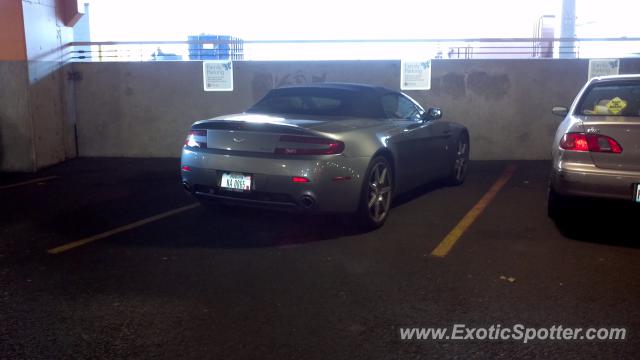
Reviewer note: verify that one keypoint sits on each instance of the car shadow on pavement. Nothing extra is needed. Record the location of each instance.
(604, 223)
(239, 227)
(416, 193)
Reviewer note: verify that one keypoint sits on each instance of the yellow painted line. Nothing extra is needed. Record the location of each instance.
(28, 182)
(120, 229)
(447, 243)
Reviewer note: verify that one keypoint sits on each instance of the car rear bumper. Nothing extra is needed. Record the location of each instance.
(267, 202)
(587, 180)
(334, 181)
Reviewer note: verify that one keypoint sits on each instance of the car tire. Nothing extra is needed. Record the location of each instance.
(556, 205)
(377, 194)
(458, 172)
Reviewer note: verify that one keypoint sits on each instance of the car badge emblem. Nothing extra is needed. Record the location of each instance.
(593, 130)
(238, 140)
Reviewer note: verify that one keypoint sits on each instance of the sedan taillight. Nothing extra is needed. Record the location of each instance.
(308, 145)
(196, 138)
(590, 142)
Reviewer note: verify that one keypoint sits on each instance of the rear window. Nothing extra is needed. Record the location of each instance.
(611, 100)
(291, 104)
(317, 101)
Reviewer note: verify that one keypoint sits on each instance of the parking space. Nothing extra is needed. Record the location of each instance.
(145, 151)
(160, 277)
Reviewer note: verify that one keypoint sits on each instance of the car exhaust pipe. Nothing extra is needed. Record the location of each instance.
(186, 186)
(307, 202)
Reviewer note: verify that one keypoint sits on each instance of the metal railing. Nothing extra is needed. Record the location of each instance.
(354, 49)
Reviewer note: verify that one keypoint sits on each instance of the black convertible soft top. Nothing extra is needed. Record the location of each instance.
(325, 99)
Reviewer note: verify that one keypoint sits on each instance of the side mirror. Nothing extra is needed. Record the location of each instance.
(560, 111)
(432, 114)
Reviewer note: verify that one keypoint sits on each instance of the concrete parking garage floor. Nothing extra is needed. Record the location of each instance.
(246, 284)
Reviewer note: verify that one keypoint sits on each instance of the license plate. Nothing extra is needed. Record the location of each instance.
(235, 181)
(637, 193)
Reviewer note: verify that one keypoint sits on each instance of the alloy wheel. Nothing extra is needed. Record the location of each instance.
(460, 166)
(379, 194)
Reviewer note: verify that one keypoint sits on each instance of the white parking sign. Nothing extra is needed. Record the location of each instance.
(217, 75)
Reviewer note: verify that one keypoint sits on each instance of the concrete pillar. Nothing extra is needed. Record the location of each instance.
(568, 29)
(34, 128)
(16, 133)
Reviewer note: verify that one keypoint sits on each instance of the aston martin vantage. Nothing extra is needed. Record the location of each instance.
(328, 148)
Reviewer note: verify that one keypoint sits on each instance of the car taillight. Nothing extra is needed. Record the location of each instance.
(196, 138)
(308, 145)
(299, 179)
(590, 142)
(575, 142)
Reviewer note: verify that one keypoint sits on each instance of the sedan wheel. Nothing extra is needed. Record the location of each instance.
(377, 194)
(459, 170)
(558, 206)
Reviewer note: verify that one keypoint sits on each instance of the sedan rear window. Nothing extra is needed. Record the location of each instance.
(611, 100)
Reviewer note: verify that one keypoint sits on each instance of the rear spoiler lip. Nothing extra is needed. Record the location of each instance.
(254, 118)
(228, 123)
(266, 127)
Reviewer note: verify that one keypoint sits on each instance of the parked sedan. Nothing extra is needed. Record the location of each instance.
(339, 148)
(596, 150)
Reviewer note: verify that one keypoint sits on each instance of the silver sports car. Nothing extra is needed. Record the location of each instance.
(596, 151)
(341, 148)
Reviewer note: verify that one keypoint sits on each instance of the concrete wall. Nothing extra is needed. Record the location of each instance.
(145, 109)
(506, 104)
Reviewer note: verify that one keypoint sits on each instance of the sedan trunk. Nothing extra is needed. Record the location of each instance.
(626, 132)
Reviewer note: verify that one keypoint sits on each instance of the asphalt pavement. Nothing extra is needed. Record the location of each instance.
(144, 280)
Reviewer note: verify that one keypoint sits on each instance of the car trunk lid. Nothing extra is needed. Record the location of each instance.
(625, 131)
